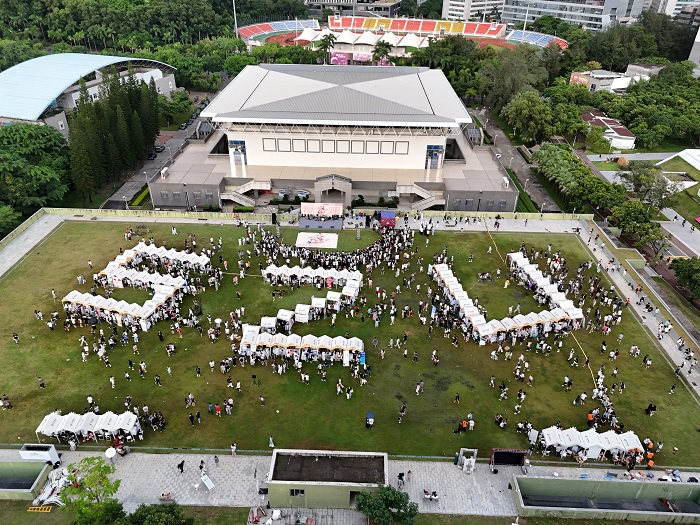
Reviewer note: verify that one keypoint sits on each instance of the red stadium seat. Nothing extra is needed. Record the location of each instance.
(266, 28)
(413, 26)
(470, 28)
(428, 26)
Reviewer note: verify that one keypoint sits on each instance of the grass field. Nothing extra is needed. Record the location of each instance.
(312, 415)
(691, 313)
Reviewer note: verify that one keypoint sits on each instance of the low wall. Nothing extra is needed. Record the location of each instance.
(604, 489)
(22, 480)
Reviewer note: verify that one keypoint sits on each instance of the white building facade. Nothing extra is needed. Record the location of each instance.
(465, 10)
(594, 15)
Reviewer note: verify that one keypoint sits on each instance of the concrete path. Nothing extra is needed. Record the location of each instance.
(686, 240)
(633, 156)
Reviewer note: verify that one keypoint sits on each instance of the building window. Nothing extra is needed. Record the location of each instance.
(299, 145)
(313, 146)
(489, 204)
(401, 148)
(61, 125)
(468, 203)
(170, 84)
(342, 146)
(296, 493)
(163, 194)
(284, 145)
(502, 204)
(456, 203)
(209, 195)
(269, 145)
(197, 195)
(328, 146)
(176, 195)
(372, 147)
(358, 146)
(387, 147)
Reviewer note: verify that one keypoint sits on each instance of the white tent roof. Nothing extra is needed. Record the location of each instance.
(340, 343)
(390, 38)
(279, 340)
(572, 437)
(611, 441)
(309, 340)
(368, 38)
(333, 296)
(69, 423)
(263, 339)
(559, 314)
(574, 313)
(285, 315)
(355, 343)
(318, 302)
(294, 340)
(508, 323)
(553, 437)
(514, 256)
(308, 34)
(87, 422)
(630, 441)
(346, 37)
(50, 424)
(590, 440)
(410, 40)
(125, 421)
(107, 422)
(325, 342)
(302, 309)
(268, 322)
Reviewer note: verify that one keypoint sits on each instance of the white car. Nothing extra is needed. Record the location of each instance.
(303, 194)
(282, 193)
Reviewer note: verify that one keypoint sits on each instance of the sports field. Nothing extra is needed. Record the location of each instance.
(313, 415)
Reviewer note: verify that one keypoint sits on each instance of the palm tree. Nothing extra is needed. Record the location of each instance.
(381, 51)
(325, 45)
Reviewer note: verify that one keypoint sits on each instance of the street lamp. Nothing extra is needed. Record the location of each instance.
(235, 19)
(126, 203)
(543, 205)
(170, 153)
(510, 162)
(526, 181)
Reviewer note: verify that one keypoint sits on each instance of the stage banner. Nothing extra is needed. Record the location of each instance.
(339, 59)
(320, 209)
(317, 240)
(362, 57)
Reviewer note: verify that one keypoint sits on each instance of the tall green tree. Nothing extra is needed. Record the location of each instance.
(530, 116)
(688, 274)
(91, 492)
(171, 514)
(512, 71)
(388, 506)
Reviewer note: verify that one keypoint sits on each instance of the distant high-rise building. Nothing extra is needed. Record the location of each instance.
(689, 15)
(670, 7)
(481, 10)
(595, 15)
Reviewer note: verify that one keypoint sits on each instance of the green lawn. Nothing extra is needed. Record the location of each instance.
(312, 415)
(71, 199)
(687, 203)
(178, 119)
(670, 145)
(507, 129)
(691, 313)
(604, 165)
(679, 165)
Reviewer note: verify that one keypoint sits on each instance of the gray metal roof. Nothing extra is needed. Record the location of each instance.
(29, 88)
(338, 95)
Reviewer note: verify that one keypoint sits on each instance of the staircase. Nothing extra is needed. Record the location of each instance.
(236, 193)
(428, 198)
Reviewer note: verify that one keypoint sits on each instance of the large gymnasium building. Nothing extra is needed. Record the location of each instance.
(339, 132)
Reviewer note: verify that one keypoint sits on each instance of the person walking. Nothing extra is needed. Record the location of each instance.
(181, 466)
(271, 444)
(191, 416)
(199, 417)
(42, 385)
(456, 401)
(234, 447)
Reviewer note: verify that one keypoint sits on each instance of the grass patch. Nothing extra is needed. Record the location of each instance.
(525, 204)
(553, 192)
(687, 203)
(603, 165)
(142, 196)
(507, 129)
(690, 312)
(431, 417)
(178, 119)
(72, 200)
(667, 146)
(679, 165)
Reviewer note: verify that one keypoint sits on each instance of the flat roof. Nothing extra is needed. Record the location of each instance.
(29, 88)
(329, 467)
(339, 95)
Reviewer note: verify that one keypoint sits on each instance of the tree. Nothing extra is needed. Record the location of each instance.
(325, 46)
(630, 215)
(388, 506)
(650, 184)
(91, 492)
(530, 116)
(171, 514)
(9, 219)
(381, 51)
(596, 141)
(651, 234)
(688, 274)
(512, 71)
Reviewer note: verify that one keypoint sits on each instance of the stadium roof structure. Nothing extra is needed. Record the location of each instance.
(339, 95)
(29, 88)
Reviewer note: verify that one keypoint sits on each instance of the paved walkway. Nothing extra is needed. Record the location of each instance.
(633, 156)
(682, 237)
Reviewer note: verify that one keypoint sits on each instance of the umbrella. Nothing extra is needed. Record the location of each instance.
(369, 415)
(111, 452)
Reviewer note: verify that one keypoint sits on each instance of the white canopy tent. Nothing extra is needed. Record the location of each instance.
(301, 313)
(125, 421)
(87, 422)
(553, 437)
(49, 425)
(591, 441)
(107, 422)
(572, 438)
(610, 441)
(630, 441)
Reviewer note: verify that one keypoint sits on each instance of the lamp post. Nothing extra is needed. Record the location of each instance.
(126, 203)
(510, 163)
(170, 154)
(526, 181)
(543, 205)
(235, 19)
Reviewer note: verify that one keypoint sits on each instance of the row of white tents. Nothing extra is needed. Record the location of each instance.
(117, 275)
(126, 312)
(198, 262)
(590, 440)
(253, 338)
(55, 424)
(490, 331)
(307, 274)
(367, 38)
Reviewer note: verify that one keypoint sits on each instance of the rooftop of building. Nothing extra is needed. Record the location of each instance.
(30, 88)
(339, 95)
(329, 467)
(598, 118)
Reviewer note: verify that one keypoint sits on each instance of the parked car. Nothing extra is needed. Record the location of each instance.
(282, 193)
(184, 125)
(152, 155)
(159, 148)
(302, 194)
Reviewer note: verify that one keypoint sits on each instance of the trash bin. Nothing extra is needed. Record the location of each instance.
(456, 458)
